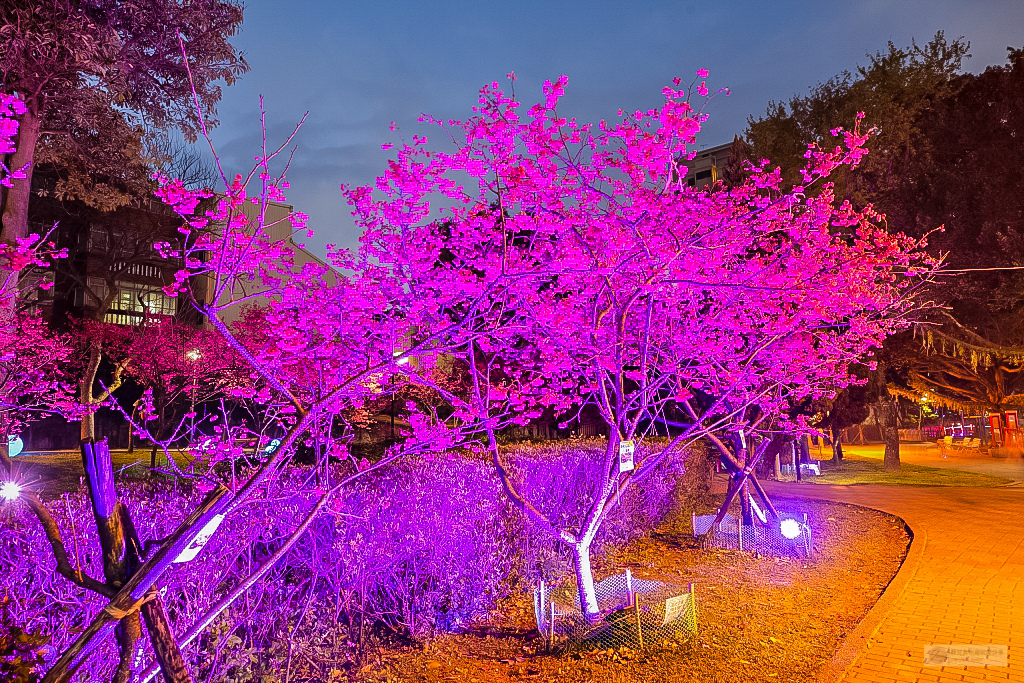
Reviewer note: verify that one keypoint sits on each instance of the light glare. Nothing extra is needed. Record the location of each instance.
(10, 491)
(790, 528)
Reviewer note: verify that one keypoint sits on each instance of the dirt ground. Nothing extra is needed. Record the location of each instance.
(759, 618)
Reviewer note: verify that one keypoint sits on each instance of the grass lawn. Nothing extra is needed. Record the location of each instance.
(859, 470)
(55, 472)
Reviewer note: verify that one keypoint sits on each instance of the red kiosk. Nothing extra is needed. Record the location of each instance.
(1012, 435)
(997, 432)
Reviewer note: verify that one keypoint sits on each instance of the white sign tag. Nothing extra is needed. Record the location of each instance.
(197, 544)
(675, 608)
(626, 450)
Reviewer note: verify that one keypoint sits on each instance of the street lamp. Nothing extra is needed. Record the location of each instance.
(193, 356)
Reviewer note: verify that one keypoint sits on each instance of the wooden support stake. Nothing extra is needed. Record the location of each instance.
(133, 594)
(636, 611)
(807, 536)
(551, 628)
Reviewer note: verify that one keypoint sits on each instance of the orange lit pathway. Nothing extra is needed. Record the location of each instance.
(962, 583)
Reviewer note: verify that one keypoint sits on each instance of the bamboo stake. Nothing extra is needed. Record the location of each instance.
(693, 606)
(551, 628)
(636, 611)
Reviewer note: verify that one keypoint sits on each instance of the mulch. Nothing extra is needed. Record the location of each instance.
(760, 618)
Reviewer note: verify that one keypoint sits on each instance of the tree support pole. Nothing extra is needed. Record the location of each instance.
(137, 590)
(737, 478)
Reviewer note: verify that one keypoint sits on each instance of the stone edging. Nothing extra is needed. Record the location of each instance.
(856, 641)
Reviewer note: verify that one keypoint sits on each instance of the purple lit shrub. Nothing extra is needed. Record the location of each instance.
(561, 480)
(424, 547)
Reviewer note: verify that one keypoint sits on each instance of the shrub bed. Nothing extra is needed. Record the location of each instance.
(423, 548)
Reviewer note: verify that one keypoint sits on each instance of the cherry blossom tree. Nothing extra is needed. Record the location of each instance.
(559, 265)
(615, 285)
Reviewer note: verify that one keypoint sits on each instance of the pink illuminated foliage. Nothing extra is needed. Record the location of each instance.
(529, 264)
(566, 264)
(607, 281)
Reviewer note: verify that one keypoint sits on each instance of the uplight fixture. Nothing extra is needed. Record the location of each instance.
(10, 491)
(790, 528)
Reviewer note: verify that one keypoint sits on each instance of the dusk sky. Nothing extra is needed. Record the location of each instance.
(357, 66)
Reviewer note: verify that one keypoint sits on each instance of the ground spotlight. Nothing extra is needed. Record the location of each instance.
(790, 528)
(10, 491)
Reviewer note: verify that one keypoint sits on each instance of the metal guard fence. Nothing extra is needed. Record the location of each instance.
(789, 535)
(635, 613)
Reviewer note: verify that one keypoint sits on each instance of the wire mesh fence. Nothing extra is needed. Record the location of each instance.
(787, 535)
(635, 613)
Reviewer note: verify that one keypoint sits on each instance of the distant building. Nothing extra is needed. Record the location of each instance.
(278, 229)
(708, 166)
(112, 272)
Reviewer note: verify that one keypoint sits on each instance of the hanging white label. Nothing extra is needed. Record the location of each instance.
(190, 552)
(626, 450)
(675, 608)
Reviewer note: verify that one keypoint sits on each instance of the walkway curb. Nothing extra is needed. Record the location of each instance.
(857, 641)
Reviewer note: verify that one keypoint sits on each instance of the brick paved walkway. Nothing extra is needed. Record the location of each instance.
(962, 583)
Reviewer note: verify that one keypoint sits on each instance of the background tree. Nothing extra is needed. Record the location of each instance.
(99, 80)
(896, 90)
(95, 77)
(892, 90)
(180, 367)
(968, 180)
(850, 407)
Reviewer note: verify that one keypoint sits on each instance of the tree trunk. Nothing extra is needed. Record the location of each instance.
(892, 449)
(746, 512)
(885, 414)
(585, 581)
(796, 459)
(837, 445)
(887, 418)
(85, 395)
(14, 221)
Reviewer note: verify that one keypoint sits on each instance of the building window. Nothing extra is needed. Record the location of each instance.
(97, 240)
(134, 302)
(97, 290)
(138, 269)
